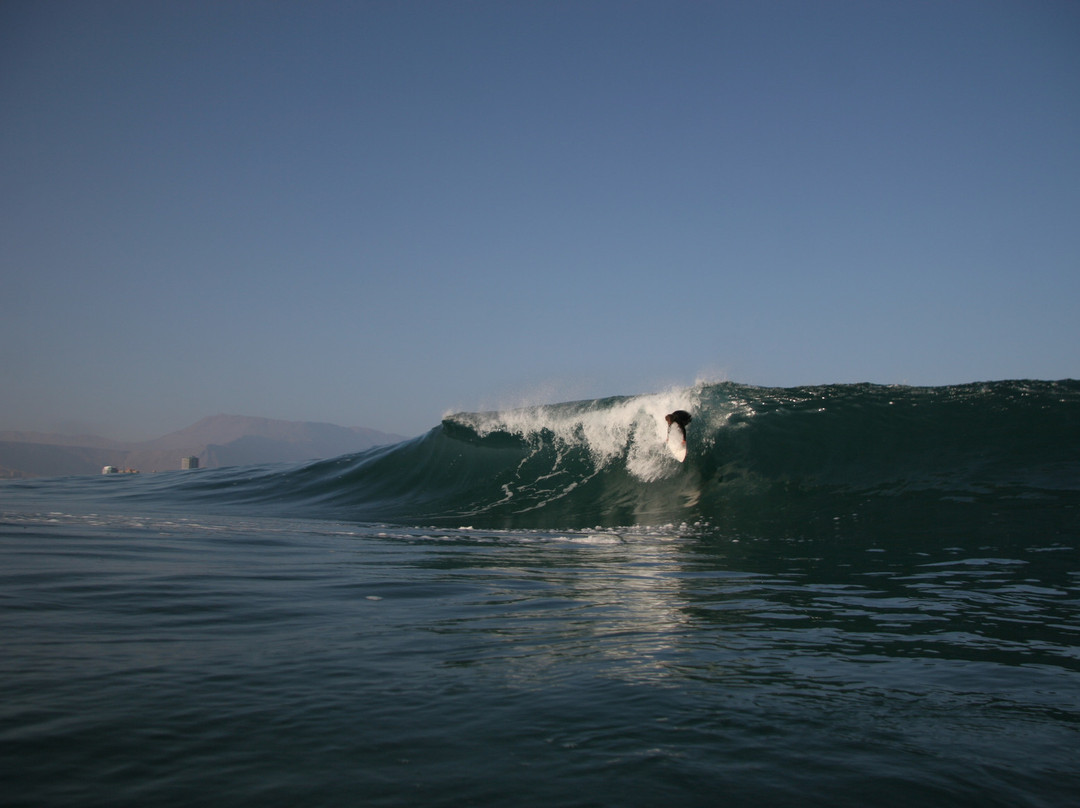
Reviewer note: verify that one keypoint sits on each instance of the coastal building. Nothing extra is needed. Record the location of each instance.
(191, 462)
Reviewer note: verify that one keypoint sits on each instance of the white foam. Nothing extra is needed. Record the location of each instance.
(634, 427)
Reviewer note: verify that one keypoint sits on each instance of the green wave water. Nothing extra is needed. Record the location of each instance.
(807, 459)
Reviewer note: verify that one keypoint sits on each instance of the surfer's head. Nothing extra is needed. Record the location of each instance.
(680, 417)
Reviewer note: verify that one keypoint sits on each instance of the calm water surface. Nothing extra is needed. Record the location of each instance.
(174, 660)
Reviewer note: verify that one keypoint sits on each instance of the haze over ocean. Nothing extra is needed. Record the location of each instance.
(374, 213)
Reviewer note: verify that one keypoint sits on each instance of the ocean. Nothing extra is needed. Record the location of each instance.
(847, 595)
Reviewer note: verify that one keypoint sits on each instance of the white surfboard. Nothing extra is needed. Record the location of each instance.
(676, 443)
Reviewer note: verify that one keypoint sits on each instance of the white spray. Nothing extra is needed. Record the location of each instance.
(608, 429)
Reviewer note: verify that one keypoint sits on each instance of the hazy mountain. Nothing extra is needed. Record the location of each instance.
(220, 440)
(19, 459)
(58, 439)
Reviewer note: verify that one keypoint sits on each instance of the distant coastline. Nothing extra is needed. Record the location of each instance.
(219, 440)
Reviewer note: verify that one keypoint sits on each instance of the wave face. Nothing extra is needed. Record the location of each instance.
(801, 460)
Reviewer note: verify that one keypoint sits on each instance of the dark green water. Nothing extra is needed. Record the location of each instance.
(860, 621)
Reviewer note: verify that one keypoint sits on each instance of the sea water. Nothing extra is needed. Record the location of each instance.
(845, 596)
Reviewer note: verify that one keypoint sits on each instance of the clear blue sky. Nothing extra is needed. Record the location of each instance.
(370, 213)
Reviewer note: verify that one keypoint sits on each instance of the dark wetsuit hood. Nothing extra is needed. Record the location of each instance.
(680, 417)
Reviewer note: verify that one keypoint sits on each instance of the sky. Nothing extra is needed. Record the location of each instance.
(376, 213)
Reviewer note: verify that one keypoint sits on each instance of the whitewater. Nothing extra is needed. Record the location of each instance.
(846, 595)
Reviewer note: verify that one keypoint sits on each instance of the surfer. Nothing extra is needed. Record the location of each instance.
(680, 418)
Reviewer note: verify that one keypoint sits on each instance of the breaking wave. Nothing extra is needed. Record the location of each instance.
(800, 459)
